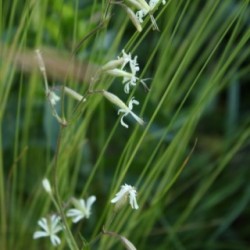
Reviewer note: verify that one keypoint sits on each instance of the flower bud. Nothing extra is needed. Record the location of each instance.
(133, 18)
(119, 73)
(74, 94)
(46, 185)
(114, 99)
(112, 64)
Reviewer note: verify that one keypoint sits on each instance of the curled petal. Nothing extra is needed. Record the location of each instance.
(122, 122)
(126, 88)
(131, 102)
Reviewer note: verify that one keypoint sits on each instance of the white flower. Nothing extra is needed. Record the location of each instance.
(134, 67)
(129, 79)
(53, 97)
(147, 9)
(128, 110)
(126, 58)
(153, 3)
(123, 107)
(140, 14)
(47, 186)
(120, 61)
(50, 228)
(82, 209)
(122, 196)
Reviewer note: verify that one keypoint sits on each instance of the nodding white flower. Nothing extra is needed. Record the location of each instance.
(50, 228)
(82, 209)
(120, 61)
(128, 110)
(133, 64)
(126, 192)
(129, 78)
(129, 81)
(147, 9)
(134, 67)
(140, 14)
(53, 97)
(123, 107)
(47, 186)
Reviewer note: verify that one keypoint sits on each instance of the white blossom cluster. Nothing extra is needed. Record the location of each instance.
(117, 68)
(126, 67)
(52, 225)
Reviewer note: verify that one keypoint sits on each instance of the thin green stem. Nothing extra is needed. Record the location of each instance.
(58, 201)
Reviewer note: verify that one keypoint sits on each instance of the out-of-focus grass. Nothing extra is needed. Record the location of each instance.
(199, 65)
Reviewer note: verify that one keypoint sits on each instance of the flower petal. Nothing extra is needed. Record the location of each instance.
(90, 202)
(137, 118)
(122, 122)
(43, 224)
(55, 240)
(39, 234)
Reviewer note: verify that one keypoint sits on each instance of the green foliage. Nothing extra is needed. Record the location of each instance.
(189, 163)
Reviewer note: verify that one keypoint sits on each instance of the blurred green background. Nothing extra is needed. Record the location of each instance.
(198, 65)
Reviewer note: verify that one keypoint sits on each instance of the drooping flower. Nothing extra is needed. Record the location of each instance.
(145, 8)
(126, 192)
(50, 228)
(123, 107)
(82, 209)
(131, 79)
(116, 68)
(128, 110)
